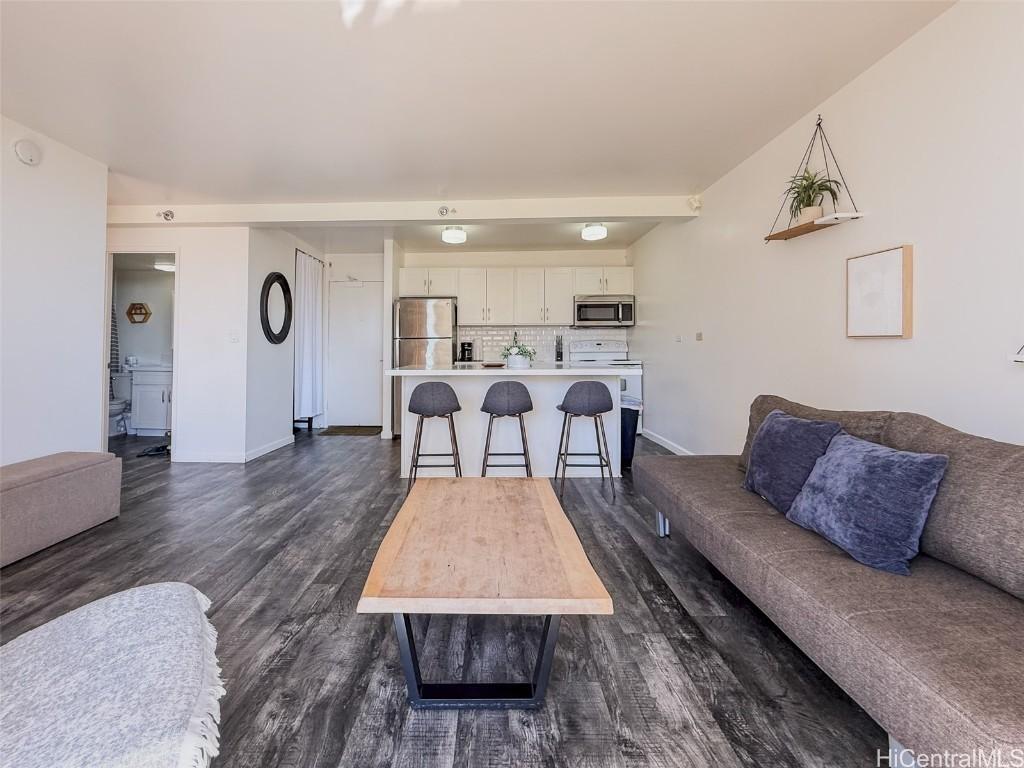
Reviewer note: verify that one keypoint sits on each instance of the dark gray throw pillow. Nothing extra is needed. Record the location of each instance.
(782, 455)
(870, 500)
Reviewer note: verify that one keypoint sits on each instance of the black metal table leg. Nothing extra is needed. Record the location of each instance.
(458, 695)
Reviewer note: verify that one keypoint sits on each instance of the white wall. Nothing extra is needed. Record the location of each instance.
(210, 375)
(558, 258)
(270, 368)
(151, 341)
(54, 313)
(930, 140)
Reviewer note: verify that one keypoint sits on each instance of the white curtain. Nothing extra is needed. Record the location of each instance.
(309, 336)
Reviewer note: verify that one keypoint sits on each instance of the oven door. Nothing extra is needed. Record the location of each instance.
(596, 310)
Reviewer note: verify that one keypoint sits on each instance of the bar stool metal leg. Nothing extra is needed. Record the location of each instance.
(565, 455)
(487, 446)
(455, 446)
(561, 440)
(607, 456)
(597, 441)
(415, 454)
(526, 447)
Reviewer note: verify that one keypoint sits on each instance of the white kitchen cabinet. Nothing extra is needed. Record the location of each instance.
(618, 281)
(412, 281)
(151, 400)
(472, 295)
(442, 281)
(530, 307)
(600, 281)
(423, 281)
(501, 296)
(558, 296)
(588, 281)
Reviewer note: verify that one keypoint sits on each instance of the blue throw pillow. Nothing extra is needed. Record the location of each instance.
(782, 455)
(870, 500)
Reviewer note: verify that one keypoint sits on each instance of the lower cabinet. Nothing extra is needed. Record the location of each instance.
(151, 400)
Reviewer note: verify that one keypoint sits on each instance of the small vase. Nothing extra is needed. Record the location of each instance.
(517, 361)
(809, 214)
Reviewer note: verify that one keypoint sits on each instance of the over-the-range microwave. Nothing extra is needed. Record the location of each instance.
(604, 311)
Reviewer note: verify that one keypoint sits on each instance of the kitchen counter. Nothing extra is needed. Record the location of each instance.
(547, 382)
(539, 368)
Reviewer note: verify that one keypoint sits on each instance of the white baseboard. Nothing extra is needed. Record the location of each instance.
(185, 457)
(677, 449)
(255, 453)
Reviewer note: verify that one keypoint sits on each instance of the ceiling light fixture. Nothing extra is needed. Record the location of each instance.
(594, 232)
(453, 235)
(164, 266)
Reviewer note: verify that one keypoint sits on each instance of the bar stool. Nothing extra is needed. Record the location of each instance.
(585, 399)
(506, 398)
(433, 399)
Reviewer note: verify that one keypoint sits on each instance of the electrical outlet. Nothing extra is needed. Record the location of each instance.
(699, 336)
(233, 337)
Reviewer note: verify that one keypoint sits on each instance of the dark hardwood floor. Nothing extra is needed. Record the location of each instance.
(686, 673)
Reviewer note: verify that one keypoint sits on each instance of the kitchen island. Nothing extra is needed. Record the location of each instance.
(547, 383)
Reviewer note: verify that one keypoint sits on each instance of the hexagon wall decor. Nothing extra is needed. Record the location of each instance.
(138, 312)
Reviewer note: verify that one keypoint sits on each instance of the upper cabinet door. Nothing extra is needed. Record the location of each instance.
(412, 281)
(588, 281)
(472, 293)
(618, 280)
(443, 281)
(558, 295)
(529, 308)
(501, 296)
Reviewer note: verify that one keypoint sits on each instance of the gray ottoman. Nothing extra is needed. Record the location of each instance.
(46, 500)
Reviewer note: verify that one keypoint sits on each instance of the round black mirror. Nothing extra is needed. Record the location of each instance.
(276, 308)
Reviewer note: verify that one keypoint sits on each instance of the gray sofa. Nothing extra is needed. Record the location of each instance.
(49, 499)
(936, 658)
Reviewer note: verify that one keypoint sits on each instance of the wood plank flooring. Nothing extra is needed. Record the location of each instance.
(686, 673)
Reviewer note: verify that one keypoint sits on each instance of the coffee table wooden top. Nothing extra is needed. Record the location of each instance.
(482, 545)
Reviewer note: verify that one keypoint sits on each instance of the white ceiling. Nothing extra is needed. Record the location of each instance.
(286, 102)
(488, 236)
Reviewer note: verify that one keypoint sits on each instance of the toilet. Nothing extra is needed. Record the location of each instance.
(120, 404)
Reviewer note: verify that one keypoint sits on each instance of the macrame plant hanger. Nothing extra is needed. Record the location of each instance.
(817, 137)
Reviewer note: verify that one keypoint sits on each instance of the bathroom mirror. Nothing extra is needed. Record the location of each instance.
(276, 308)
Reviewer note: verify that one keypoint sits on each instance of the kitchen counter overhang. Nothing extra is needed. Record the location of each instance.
(540, 368)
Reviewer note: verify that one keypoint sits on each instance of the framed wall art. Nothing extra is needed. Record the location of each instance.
(880, 294)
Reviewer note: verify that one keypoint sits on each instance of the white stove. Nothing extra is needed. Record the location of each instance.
(611, 352)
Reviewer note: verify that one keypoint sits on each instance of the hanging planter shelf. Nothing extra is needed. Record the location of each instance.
(829, 219)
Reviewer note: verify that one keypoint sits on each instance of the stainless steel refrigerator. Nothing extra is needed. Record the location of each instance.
(425, 336)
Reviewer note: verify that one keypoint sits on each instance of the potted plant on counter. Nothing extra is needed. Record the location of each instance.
(518, 355)
(806, 191)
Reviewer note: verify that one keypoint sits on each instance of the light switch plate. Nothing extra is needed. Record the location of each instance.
(699, 336)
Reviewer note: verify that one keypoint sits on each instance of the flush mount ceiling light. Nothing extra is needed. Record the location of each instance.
(453, 235)
(164, 266)
(594, 232)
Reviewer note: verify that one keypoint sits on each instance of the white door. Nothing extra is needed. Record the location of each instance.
(501, 296)
(412, 281)
(558, 293)
(588, 281)
(618, 280)
(472, 296)
(354, 354)
(529, 309)
(443, 281)
(150, 407)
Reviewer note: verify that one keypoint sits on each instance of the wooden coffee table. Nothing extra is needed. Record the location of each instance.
(481, 546)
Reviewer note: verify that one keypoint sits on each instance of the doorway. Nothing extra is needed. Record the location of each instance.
(140, 359)
(354, 358)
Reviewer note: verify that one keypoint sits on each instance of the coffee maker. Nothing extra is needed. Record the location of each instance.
(466, 352)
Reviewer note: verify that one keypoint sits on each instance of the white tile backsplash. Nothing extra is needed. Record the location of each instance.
(489, 340)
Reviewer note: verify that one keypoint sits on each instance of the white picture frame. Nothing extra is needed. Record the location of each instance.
(880, 294)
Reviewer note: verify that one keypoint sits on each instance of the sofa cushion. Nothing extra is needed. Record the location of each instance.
(783, 454)
(977, 520)
(870, 500)
(33, 470)
(669, 481)
(869, 630)
(868, 425)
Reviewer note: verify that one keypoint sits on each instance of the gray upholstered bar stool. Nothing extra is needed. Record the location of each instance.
(506, 398)
(585, 399)
(433, 399)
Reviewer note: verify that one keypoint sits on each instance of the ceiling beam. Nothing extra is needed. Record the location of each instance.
(653, 207)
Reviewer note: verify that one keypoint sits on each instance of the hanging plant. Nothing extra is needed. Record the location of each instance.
(807, 190)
